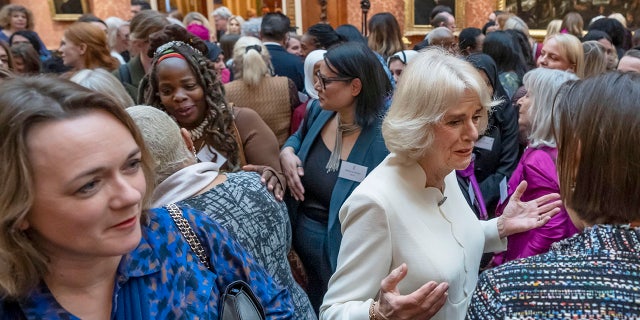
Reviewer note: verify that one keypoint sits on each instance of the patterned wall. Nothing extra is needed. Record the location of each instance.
(395, 7)
(50, 31)
(476, 11)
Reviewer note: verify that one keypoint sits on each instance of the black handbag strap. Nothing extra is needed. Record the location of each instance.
(238, 295)
(189, 235)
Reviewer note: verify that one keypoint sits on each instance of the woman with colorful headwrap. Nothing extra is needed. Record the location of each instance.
(182, 83)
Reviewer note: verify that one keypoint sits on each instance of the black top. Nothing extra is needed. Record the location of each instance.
(318, 184)
(491, 166)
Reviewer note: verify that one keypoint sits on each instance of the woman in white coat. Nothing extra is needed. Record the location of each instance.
(411, 245)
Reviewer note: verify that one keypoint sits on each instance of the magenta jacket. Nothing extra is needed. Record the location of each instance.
(538, 167)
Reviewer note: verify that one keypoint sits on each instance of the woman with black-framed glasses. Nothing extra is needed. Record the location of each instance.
(338, 144)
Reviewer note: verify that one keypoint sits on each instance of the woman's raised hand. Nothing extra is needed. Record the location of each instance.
(423, 303)
(292, 167)
(521, 216)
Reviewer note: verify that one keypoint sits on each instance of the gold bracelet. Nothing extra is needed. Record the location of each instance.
(372, 313)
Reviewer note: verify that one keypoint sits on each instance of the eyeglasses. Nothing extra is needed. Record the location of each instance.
(324, 80)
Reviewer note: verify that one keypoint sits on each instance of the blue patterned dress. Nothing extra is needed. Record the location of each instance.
(167, 280)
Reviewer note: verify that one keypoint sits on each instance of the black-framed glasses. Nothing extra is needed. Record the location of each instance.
(324, 80)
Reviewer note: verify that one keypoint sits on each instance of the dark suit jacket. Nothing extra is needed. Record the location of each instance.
(287, 65)
(132, 82)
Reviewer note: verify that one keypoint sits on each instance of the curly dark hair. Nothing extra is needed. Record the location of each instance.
(220, 133)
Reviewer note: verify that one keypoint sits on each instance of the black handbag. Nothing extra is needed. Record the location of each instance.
(238, 300)
(239, 303)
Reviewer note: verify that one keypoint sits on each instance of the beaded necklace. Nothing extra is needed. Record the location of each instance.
(197, 133)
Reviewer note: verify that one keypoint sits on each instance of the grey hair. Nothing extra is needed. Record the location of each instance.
(101, 80)
(163, 139)
(438, 33)
(222, 12)
(542, 86)
(516, 23)
(113, 27)
(252, 27)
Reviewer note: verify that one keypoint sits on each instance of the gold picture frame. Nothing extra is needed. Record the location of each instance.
(538, 34)
(538, 14)
(413, 28)
(68, 10)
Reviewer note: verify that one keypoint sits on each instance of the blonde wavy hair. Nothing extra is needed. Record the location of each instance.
(431, 83)
(571, 48)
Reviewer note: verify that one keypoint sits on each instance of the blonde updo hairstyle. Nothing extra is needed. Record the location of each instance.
(252, 61)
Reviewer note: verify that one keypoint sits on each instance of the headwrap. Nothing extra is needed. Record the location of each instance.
(312, 58)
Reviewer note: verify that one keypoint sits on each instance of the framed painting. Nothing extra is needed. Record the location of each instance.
(537, 14)
(417, 14)
(68, 10)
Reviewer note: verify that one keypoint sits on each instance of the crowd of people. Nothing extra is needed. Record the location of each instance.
(479, 174)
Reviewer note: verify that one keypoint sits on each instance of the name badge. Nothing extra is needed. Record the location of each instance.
(485, 143)
(352, 171)
(504, 190)
(206, 154)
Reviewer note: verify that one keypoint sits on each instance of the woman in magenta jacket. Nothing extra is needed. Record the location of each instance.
(537, 165)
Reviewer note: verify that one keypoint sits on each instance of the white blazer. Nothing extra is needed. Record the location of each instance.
(391, 218)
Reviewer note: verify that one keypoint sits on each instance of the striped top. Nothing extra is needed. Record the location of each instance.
(594, 274)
